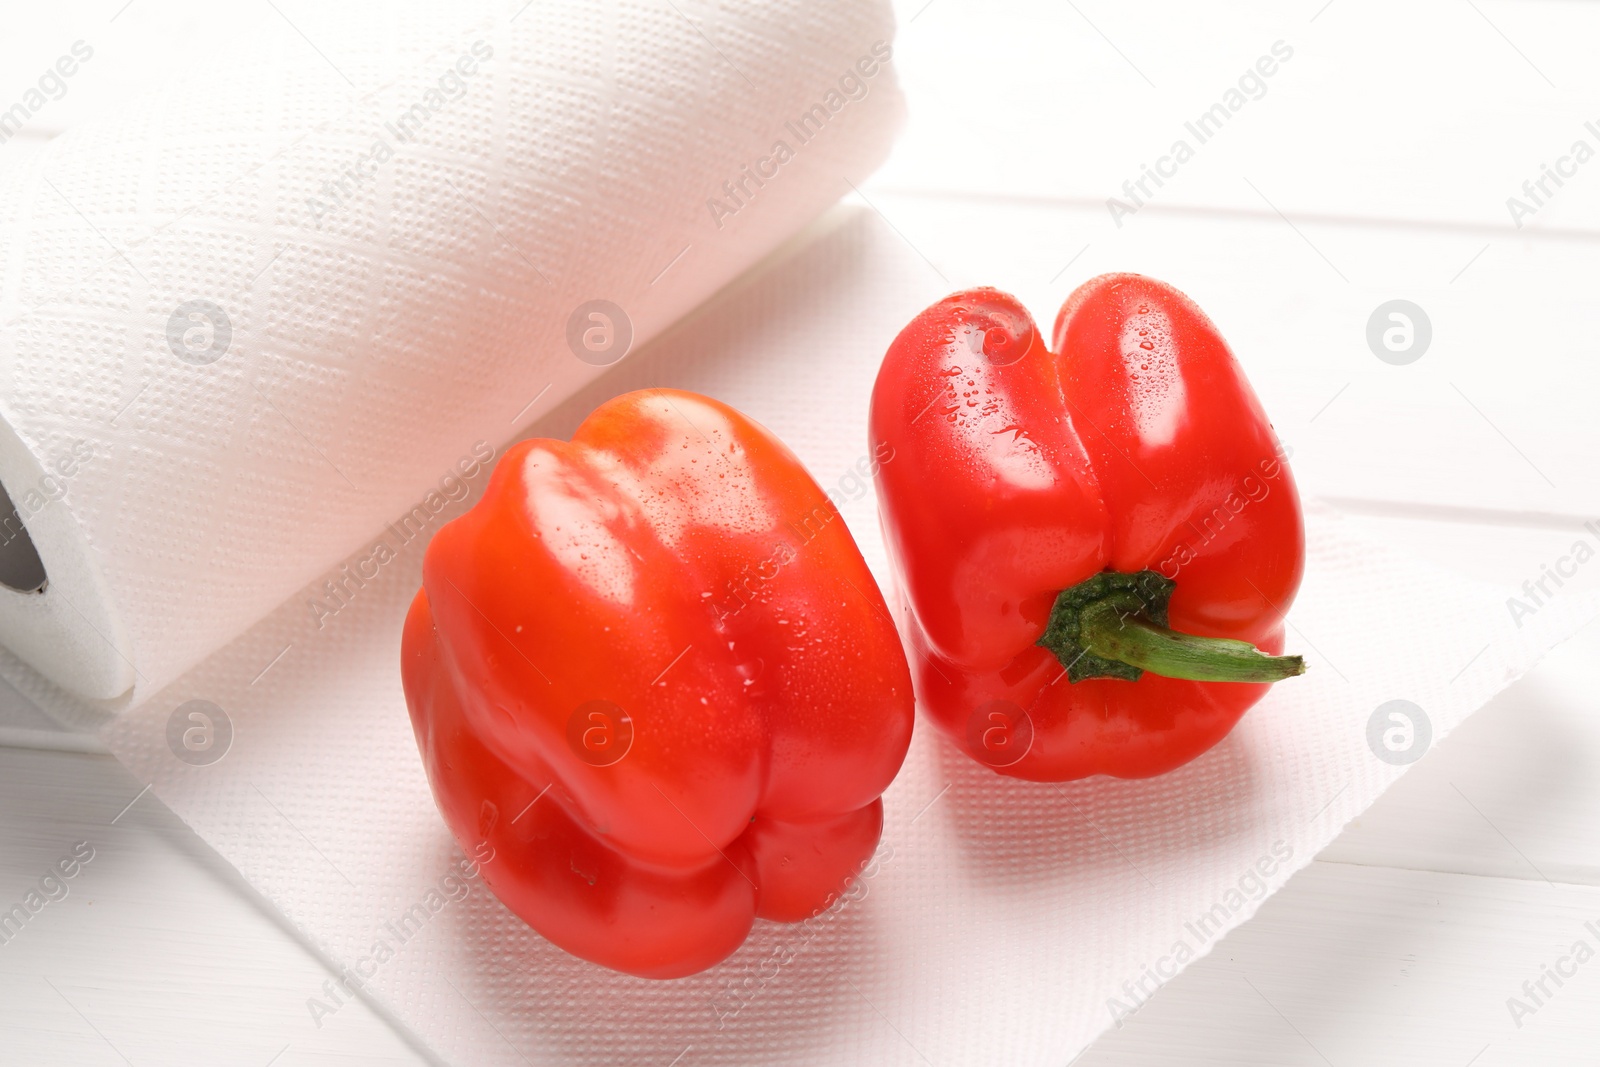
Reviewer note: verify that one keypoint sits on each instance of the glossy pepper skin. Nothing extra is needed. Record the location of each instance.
(650, 672)
(1131, 443)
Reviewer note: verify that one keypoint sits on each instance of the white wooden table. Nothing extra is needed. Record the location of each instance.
(1376, 164)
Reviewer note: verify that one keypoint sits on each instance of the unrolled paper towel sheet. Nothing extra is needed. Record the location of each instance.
(1002, 922)
(249, 322)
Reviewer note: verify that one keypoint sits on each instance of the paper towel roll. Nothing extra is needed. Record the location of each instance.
(248, 323)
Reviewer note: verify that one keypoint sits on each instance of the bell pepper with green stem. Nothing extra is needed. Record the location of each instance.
(1095, 538)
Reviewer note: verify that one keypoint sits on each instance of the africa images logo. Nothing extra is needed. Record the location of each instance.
(1253, 885)
(853, 84)
(50, 85)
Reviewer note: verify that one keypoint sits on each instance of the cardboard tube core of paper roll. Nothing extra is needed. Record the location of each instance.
(21, 569)
(54, 611)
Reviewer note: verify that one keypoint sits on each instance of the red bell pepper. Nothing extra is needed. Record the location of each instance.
(1095, 545)
(651, 672)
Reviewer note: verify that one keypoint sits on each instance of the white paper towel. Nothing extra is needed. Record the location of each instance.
(273, 306)
(1004, 922)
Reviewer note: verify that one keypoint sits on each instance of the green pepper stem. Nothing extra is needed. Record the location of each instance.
(1128, 638)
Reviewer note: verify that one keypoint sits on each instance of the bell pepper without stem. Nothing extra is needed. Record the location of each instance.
(651, 672)
(1095, 545)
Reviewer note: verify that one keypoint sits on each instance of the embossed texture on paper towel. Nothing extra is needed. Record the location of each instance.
(279, 299)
